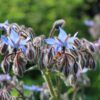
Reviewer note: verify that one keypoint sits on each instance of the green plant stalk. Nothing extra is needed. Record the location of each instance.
(47, 78)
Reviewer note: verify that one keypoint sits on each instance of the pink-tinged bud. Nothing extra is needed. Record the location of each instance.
(3, 48)
(87, 45)
(77, 43)
(5, 65)
(37, 41)
(4, 94)
(30, 32)
(30, 52)
(75, 67)
(43, 60)
(58, 23)
(92, 48)
(46, 58)
(19, 64)
(87, 60)
(67, 66)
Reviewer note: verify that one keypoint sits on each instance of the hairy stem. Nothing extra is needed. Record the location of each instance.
(50, 85)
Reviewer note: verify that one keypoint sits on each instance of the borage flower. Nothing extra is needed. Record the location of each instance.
(33, 88)
(4, 25)
(5, 77)
(89, 23)
(14, 41)
(19, 64)
(62, 41)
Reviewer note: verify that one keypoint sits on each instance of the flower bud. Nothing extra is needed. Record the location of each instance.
(89, 61)
(91, 47)
(92, 64)
(19, 64)
(58, 23)
(43, 60)
(37, 41)
(66, 71)
(75, 67)
(30, 53)
(65, 65)
(30, 32)
(77, 43)
(4, 94)
(46, 58)
(5, 65)
(3, 48)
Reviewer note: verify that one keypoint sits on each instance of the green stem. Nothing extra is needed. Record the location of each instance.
(50, 85)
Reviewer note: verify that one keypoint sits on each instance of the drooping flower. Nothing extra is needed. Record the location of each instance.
(63, 40)
(89, 23)
(33, 88)
(14, 41)
(4, 77)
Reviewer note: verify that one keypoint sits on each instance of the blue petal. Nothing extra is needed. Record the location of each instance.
(50, 41)
(23, 48)
(89, 23)
(69, 46)
(1, 25)
(14, 36)
(32, 88)
(71, 39)
(62, 34)
(23, 42)
(5, 77)
(4, 39)
(11, 43)
(58, 48)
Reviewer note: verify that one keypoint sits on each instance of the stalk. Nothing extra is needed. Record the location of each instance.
(47, 79)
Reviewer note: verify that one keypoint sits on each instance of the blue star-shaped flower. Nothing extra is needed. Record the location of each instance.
(63, 40)
(4, 25)
(14, 41)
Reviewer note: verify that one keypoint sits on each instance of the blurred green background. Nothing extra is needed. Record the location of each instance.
(40, 15)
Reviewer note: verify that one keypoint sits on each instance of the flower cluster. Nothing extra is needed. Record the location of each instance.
(64, 53)
(13, 46)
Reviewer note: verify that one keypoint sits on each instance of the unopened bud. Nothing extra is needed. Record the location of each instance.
(30, 53)
(5, 65)
(19, 65)
(75, 67)
(3, 48)
(58, 23)
(37, 41)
